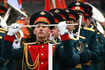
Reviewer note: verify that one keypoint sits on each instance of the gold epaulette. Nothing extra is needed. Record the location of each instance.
(3, 29)
(78, 66)
(89, 29)
(2, 32)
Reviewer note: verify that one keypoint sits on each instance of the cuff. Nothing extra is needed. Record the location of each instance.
(65, 37)
(9, 38)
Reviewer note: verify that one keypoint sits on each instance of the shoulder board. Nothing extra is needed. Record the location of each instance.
(2, 29)
(89, 29)
(1, 37)
(82, 37)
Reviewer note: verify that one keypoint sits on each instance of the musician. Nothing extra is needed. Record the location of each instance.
(35, 53)
(54, 30)
(38, 50)
(59, 12)
(88, 33)
(71, 16)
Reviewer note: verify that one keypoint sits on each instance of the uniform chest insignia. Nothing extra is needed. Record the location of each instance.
(79, 46)
(2, 32)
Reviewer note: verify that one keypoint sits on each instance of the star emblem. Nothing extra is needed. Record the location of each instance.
(42, 13)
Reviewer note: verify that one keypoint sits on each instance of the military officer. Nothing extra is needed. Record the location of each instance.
(86, 12)
(37, 50)
(54, 30)
(36, 53)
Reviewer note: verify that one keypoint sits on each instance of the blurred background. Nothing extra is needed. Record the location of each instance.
(32, 6)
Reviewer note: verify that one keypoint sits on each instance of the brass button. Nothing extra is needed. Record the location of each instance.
(42, 62)
(53, 46)
(29, 46)
(42, 46)
(42, 54)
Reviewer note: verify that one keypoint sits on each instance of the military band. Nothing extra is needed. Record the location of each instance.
(74, 47)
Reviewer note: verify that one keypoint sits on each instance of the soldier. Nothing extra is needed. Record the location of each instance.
(27, 31)
(89, 34)
(59, 12)
(35, 53)
(71, 17)
(54, 30)
(40, 60)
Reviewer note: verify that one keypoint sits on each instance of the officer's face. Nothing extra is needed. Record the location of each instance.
(42, 31)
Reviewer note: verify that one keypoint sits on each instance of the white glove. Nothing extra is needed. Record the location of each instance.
(14, 28)
(62, 26)
(3, 23)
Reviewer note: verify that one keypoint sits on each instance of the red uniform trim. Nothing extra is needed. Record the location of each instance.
(9, 38)
(65, 37)
(2, 11)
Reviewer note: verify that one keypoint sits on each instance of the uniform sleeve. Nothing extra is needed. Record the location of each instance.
(63, 53)
(9, 52)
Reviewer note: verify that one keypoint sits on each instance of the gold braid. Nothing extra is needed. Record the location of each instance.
(35, 64)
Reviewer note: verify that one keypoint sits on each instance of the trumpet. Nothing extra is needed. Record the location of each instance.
(21, 25)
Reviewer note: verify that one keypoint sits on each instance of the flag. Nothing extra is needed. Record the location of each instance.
(47, 6)
(20, 3)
